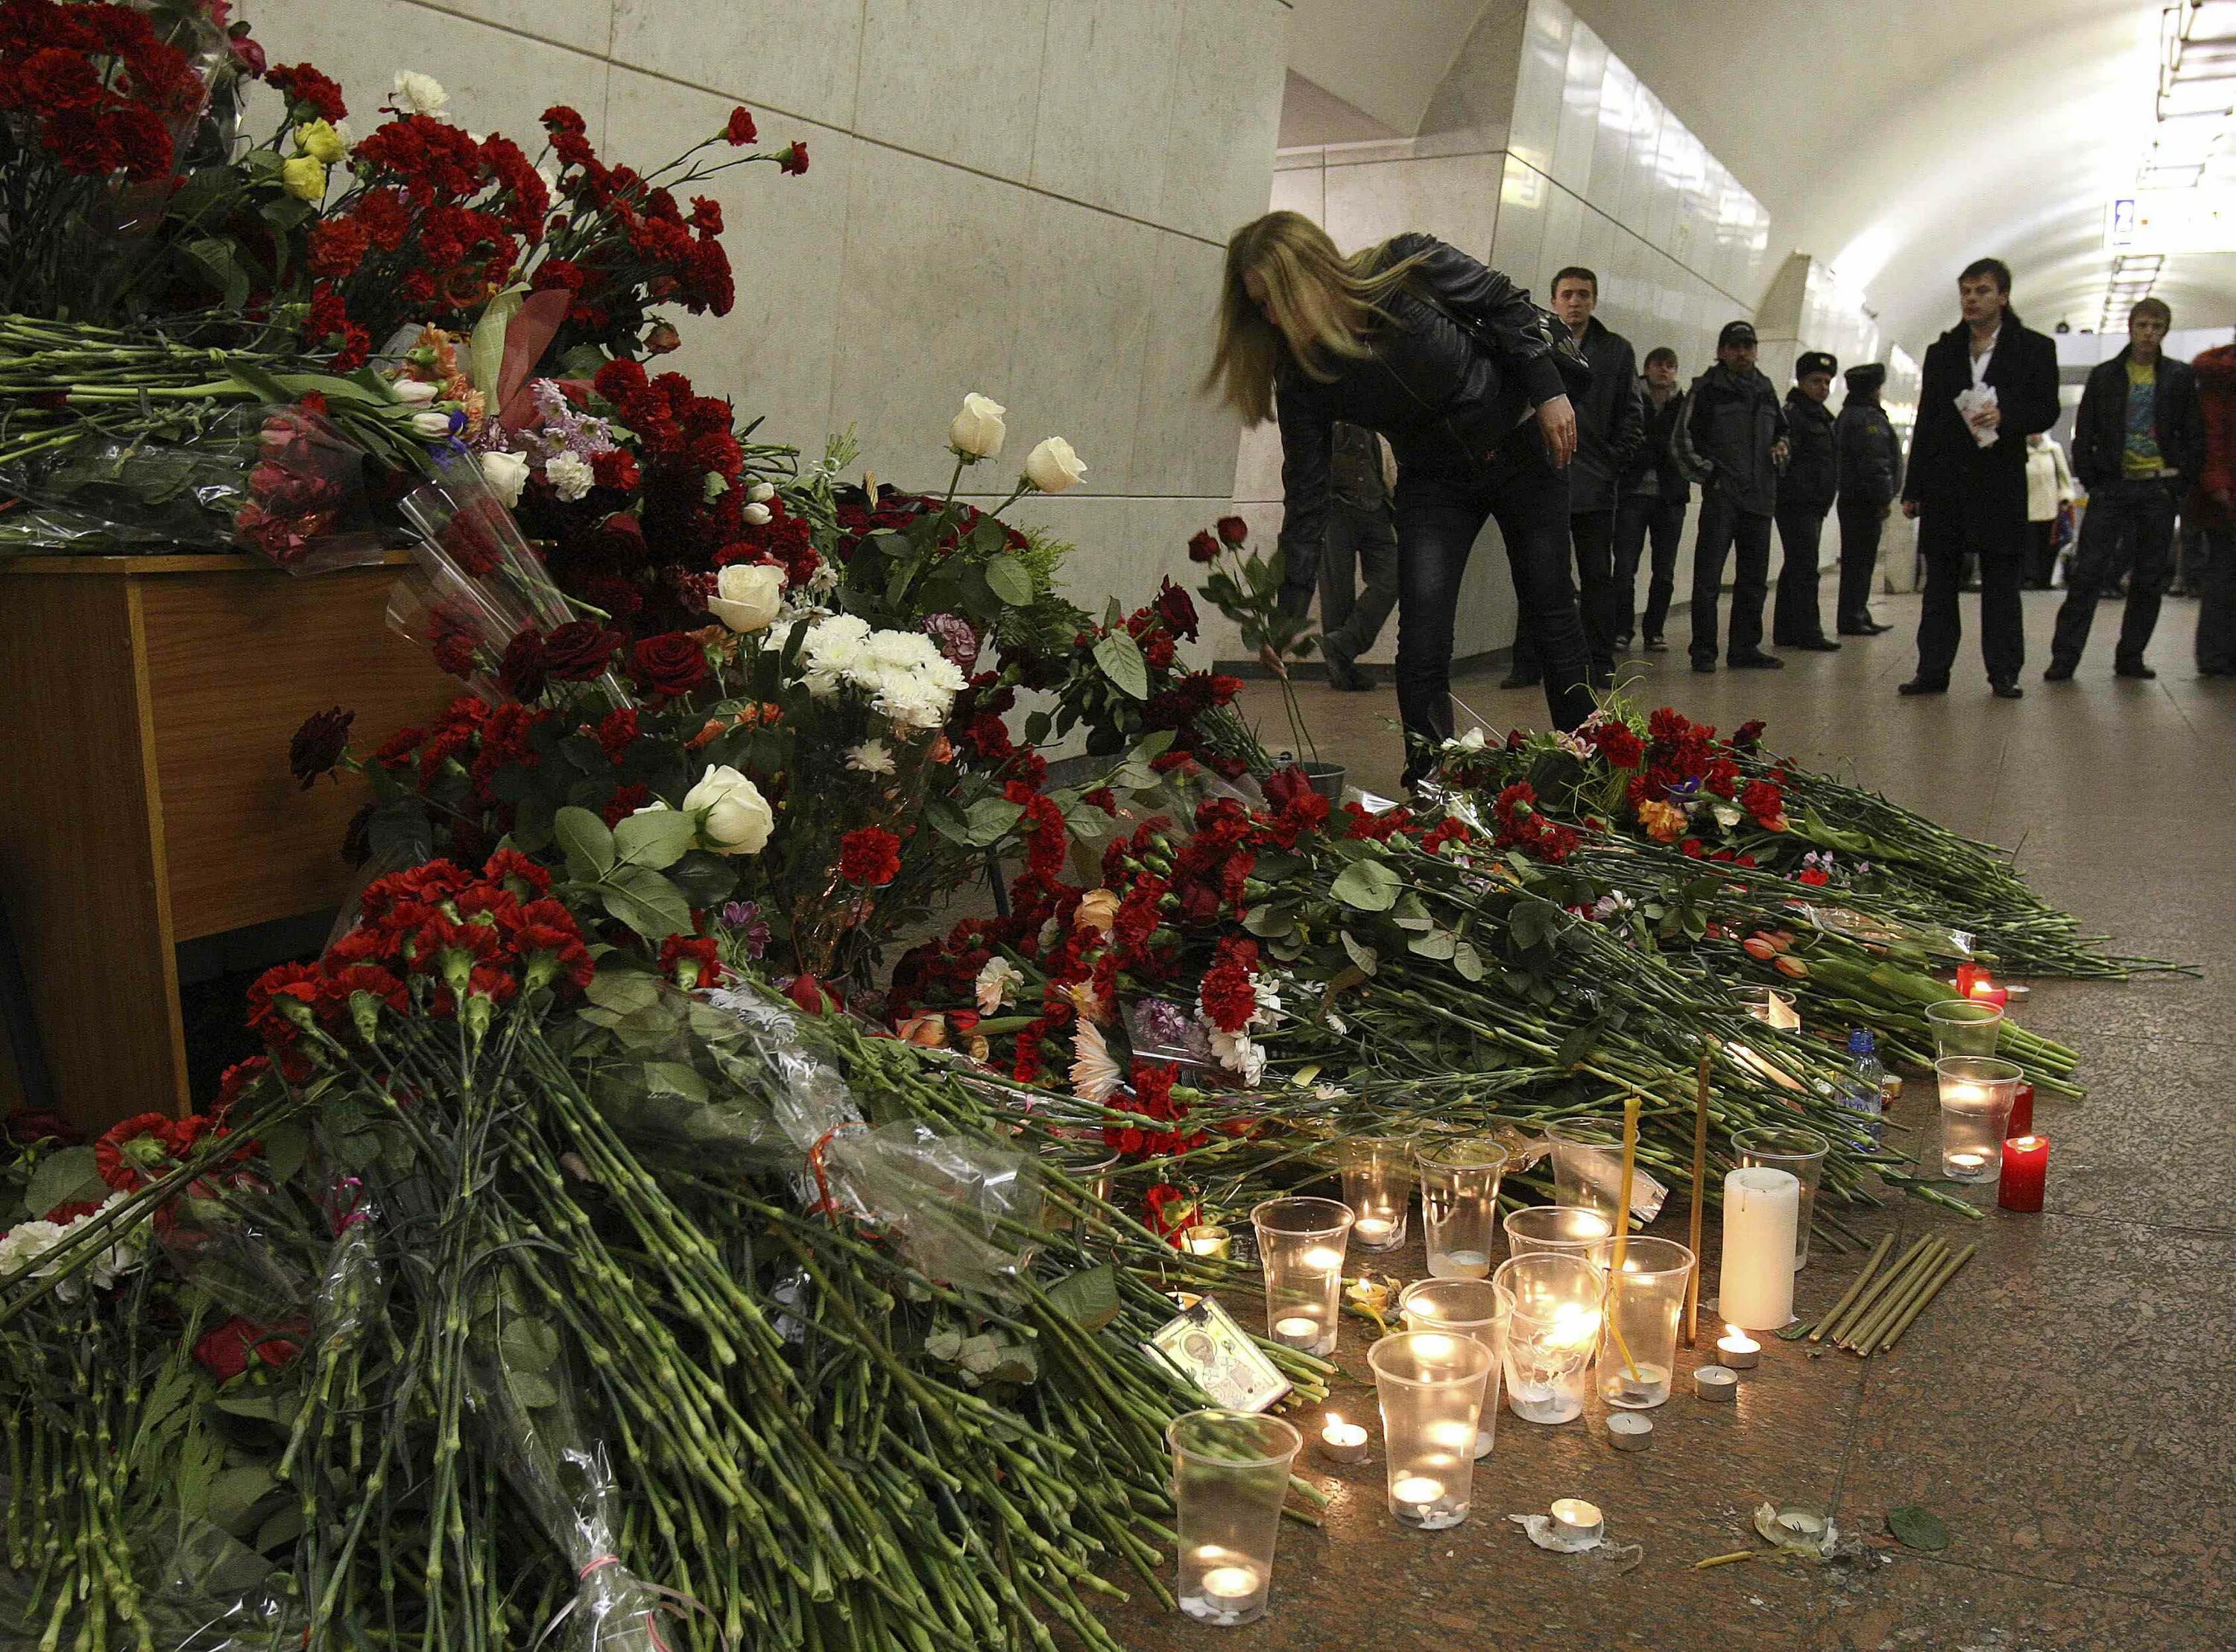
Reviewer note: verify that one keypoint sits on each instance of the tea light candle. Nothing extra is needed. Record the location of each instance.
(1971, 1167)
(1372, 1231)
(2025, 1165)
(1737, 1351)
(1230, 1586)
(2022, 1119)
(1575, 1519)
(1716, 1383)
(1629, 1430)
(1297, 1331)
(1342, 1442)
(1762, 1207)
(1208, 1239)
(1417, 1489)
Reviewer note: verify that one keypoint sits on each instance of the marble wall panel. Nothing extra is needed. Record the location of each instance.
(954, 80)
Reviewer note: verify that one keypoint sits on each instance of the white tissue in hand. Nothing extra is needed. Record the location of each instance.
(1970, 401)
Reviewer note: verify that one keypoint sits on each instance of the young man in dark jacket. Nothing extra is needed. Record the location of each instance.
(1806, 490)
(1989, 382)
(1870, 478)
(1653, 495)
(1610, 428)
(1733, 438)
(2138, 444)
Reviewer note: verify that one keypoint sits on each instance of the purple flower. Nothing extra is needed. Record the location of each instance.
(746, 915)
(954, 637)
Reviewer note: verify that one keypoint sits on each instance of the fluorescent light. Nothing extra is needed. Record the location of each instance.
(2211, 20)
(2215, 97)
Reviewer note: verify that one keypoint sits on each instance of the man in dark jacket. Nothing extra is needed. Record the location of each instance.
(1732, 438)
(1989, 382)
(2138, 445)
(1806, 490)
(1362, 540)
(1610, 428)
(1653, 495)
(1871, 477)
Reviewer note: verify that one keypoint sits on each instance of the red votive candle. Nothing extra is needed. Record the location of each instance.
(2022, 1123)
(2025, 1165)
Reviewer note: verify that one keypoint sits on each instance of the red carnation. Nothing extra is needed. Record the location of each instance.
(691, 960)
(234, 1346)
(739, 130)
(135, 1150)
(305, 87)
(870, 857)
(794, 161)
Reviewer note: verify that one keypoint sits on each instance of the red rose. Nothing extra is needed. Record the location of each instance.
(815, 996)
(1202, 548)
(318, 745)
(671, 664)
(739, 130)
(1234, 529)
(580, 650)
(523, 671)
(870, 857)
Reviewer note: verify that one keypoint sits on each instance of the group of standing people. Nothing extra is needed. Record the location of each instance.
(1410, 357)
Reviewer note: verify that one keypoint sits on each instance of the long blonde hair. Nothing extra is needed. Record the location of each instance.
(1322, 304)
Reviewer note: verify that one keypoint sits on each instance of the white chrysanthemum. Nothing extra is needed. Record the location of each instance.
(996, 981)
(1095, 1073)
(571, 475)
(1269, 1001)
(22, 1245)
(830, 650)
(871, 757)
(1239, 1054)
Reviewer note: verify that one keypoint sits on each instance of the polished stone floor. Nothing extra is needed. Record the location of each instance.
(2068, 1407)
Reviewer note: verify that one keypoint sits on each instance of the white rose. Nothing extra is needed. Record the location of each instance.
(978, 431)
(570, 474)
(736, 818)
(748, 596)
(506, 473)
(1053, 467)
(761, 492)
(412, 389)
(432, 424)
(417, 94)
(756, 514)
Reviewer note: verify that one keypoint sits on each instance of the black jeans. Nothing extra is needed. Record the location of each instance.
(1860, 527)
(2216, 607)
(1637, 518)
(1360, 541)
(1591, 537)
(1948, 530)
(1438, 517)
(2128, 524)
(1724, 529)
(1800, 532)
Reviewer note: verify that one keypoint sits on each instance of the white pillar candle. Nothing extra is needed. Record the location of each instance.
(1761, 1209)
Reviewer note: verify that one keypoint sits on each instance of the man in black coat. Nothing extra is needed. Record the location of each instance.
(2138, 444)
(1989, 382)
(1870, 478)
(1732, 439)
(1653, 496)
(1805, 491)
(1610, 428)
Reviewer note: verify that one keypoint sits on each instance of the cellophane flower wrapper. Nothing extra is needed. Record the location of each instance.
(307, 508)
(463, 623)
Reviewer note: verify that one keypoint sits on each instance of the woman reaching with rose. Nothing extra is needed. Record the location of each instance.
(1449, 360)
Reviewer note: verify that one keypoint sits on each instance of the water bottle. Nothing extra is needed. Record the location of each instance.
(1864, 1093)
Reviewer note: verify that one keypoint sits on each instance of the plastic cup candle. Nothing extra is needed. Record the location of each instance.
(1300, 1247)
(1761, 1208)
(1459, 1205)
(1784, 1147)
(1560, 1229)
(1552, 1327)
(1964, 1026)
(2026, 1166)
(1431, 1386)
(1378, 1183)
(1586, 1166)
(1976, 1095)
(1208, 1239)
(1342, 1442)
(1645, 1298)
(1472, 1308)
(1737, 1350)
(1230, 1475)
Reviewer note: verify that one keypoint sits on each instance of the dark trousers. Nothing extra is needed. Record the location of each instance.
(1724, 530)
(1860, 527)
(1796, 620)
(1949, 530)
(1638, 518)
(1591, 540)
(1362, 540)
(2129, 524)
(2216, 607)
(2042, 554)
(1438, 517)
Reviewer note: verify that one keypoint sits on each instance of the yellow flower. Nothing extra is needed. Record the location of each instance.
(1663, 821)
(321, 142)
(305, 177)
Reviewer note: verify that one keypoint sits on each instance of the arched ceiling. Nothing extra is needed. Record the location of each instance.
(1897, 139)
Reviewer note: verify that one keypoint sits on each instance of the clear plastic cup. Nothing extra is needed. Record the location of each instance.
(1565, 1230)
(1378, 1186)
(1459, 1205)
(1473, 1307)
(1786, 1147)
(1300, 1248)
(1230, 1477)
(1644, 1299)
(1551, 1330)
(1431, 1386)
(1965, 1026)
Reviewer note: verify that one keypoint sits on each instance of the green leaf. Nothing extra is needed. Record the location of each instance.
(1268, 921)
(283, 1527)
(1412, 913)
(646, 901)
(531, 1389)
(286, 1146)
(64, 1177)
(948, 821)
(1917, 1527)
(1037, 728)
(1367, 886)
(991, 819)
(655, 840)
(234, 1492)
(1437, 943)
(1120, 657)
(1365, 957)
(1088, 1297)
(589, 845)
(1011, 581)
(706, 879)
(1467, 961)
(527, 1345)
(622, 991)
(675, 1078)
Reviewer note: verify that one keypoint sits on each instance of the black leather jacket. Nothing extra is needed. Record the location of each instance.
(1610, 429)
(1732, 421)
(1653, 470)
(2099, 429)
(1812, 472)
(1443, 402)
